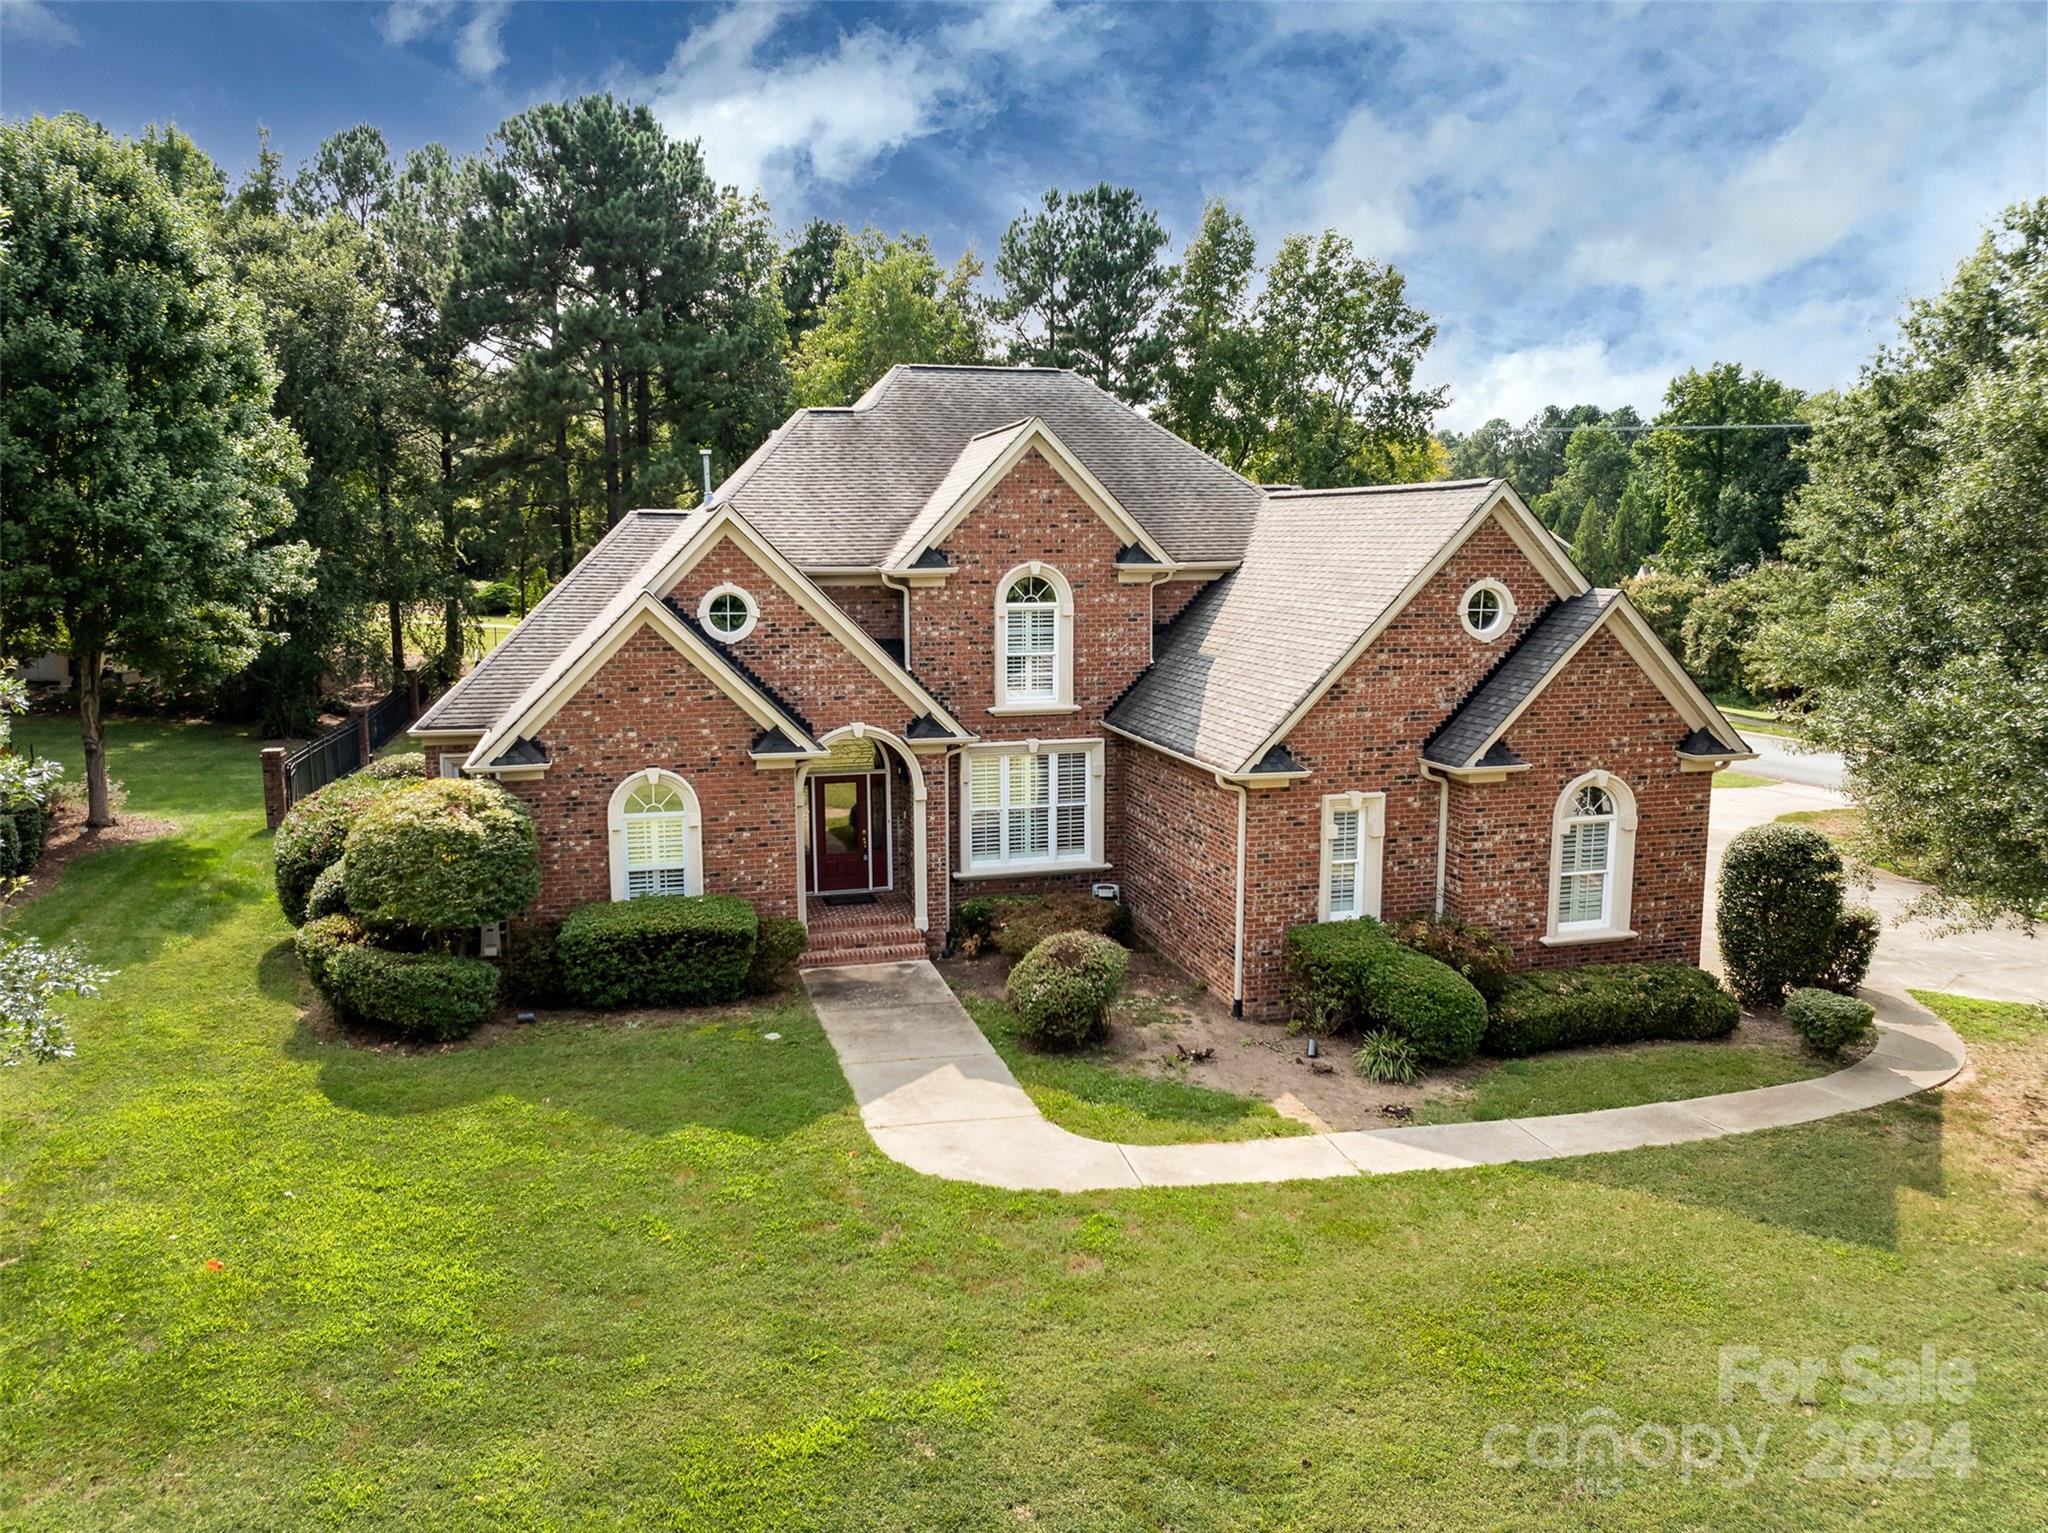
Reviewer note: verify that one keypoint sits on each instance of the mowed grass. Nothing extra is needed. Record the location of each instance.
(618, 1276)
(1981, 1021)
(1107, 1101)
(1589, 1080)
(1728, 777)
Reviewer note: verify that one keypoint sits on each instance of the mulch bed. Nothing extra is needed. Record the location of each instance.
(68, 839)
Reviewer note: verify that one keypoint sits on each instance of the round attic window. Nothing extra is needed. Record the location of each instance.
(728, 613)
(1486, 609)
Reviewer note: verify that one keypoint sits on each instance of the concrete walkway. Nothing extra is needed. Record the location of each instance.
(936, 1096)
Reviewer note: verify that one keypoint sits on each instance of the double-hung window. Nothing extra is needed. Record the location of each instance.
(1026, 807)
(1585, 861)
(1031, 641)
(1354, 831)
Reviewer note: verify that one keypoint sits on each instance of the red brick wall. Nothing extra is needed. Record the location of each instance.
(1032, 514)
(1171, 599)
(877, 608)
(1366, 735)
(792, 651)
(1179, 867)
(648, 707)
(1603, 713)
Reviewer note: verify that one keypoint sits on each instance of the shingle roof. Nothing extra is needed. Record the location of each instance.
(477, 701)
(1521, 671)
(1320, 568)
(975, 459)
(1701, 742)
(838, 488)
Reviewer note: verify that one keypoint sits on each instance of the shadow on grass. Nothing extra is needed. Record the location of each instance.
(651, 1074)
(1838, 1179)
(95, 904)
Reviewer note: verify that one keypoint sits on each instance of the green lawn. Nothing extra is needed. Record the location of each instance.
(1728, 777)
(1106, 1102)
(657, 1276)
(1588, 1080)
(1980, 1021)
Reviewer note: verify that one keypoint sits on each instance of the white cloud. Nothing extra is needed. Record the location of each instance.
(32, 21)
(406, 21)
(828, 115)
(480, 45)
(1516, 384)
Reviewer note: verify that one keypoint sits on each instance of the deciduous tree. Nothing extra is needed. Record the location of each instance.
(891, 302)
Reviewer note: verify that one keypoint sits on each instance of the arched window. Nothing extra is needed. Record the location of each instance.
(1034, 618)
(656, 836)
(1592, 860)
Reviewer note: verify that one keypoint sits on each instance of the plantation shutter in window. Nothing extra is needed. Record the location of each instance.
(657, 842)
(1344, 864)
(985, 808)
(1070, 803)
(1582, 880)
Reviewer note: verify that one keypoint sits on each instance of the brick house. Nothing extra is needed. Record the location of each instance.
(990, 630)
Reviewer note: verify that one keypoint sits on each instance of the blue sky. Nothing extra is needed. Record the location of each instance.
(1588, 197)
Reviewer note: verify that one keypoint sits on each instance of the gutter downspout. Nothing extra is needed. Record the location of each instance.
(890, 581)
(1237, 955)
(1443, 827)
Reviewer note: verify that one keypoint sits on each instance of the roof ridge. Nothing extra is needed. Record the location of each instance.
(1281, 492)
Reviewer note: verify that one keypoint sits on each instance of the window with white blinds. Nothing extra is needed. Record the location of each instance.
(1354, 830)
(1585, 860)
(654, 819)
(1031, 641)
(1027, 808)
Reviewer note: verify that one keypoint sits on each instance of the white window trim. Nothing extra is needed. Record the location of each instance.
(1091, 859)
(451, 763)
(1372, 840)
(693, 830)
(1507, 610)
(1621, 865)
(1062, 700)
(728, 589)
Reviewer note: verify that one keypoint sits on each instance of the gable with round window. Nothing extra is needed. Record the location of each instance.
(727, 613)
(1487, 609)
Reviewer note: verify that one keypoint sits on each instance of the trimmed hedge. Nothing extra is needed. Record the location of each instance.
(310, 839)
(319, 940)
(1014, 924)
(1465, 946)
(778, 944)
(10, 848)
(432, 995)
(1062, 988)
(664, 950)
(1781, 897)
(330, 892)
(1854, 945)
(1608, 1003)
(411, 766)
(1827, 1021)
(532, 967)
(444, 854)
(1346, 975)
(30, 822)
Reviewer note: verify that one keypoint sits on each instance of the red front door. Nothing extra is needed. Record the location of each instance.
(840, 832)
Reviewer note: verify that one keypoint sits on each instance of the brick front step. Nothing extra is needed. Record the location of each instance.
(838, 954)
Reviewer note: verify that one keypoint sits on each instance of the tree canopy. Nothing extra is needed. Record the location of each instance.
(890, 302)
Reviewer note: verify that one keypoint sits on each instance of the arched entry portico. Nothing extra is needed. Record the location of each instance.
(915, 782)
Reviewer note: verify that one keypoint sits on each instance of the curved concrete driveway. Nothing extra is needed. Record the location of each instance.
(936, 1096)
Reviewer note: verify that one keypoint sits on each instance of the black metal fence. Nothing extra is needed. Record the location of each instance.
(340, 751)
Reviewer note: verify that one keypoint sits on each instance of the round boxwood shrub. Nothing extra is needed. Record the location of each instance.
(1854, 945)
(1827, 1021)
(442, 855)
(330, 892)
(311, 838)
(1062, 988)
(318, 940)
(778, 944)
(412, 765)
(1781, 897)
(1346, 975)
(425, 995)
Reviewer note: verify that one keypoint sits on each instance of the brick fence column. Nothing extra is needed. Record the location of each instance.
(413, 698)
(359, 715)
(273, 785)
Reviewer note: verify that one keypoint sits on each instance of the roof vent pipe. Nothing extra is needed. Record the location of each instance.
(704, 457)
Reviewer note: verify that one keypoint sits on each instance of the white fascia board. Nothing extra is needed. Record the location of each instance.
(1091, 490)
(728, 522)
(1519, 523)
(548, 694)
(1209, 768)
